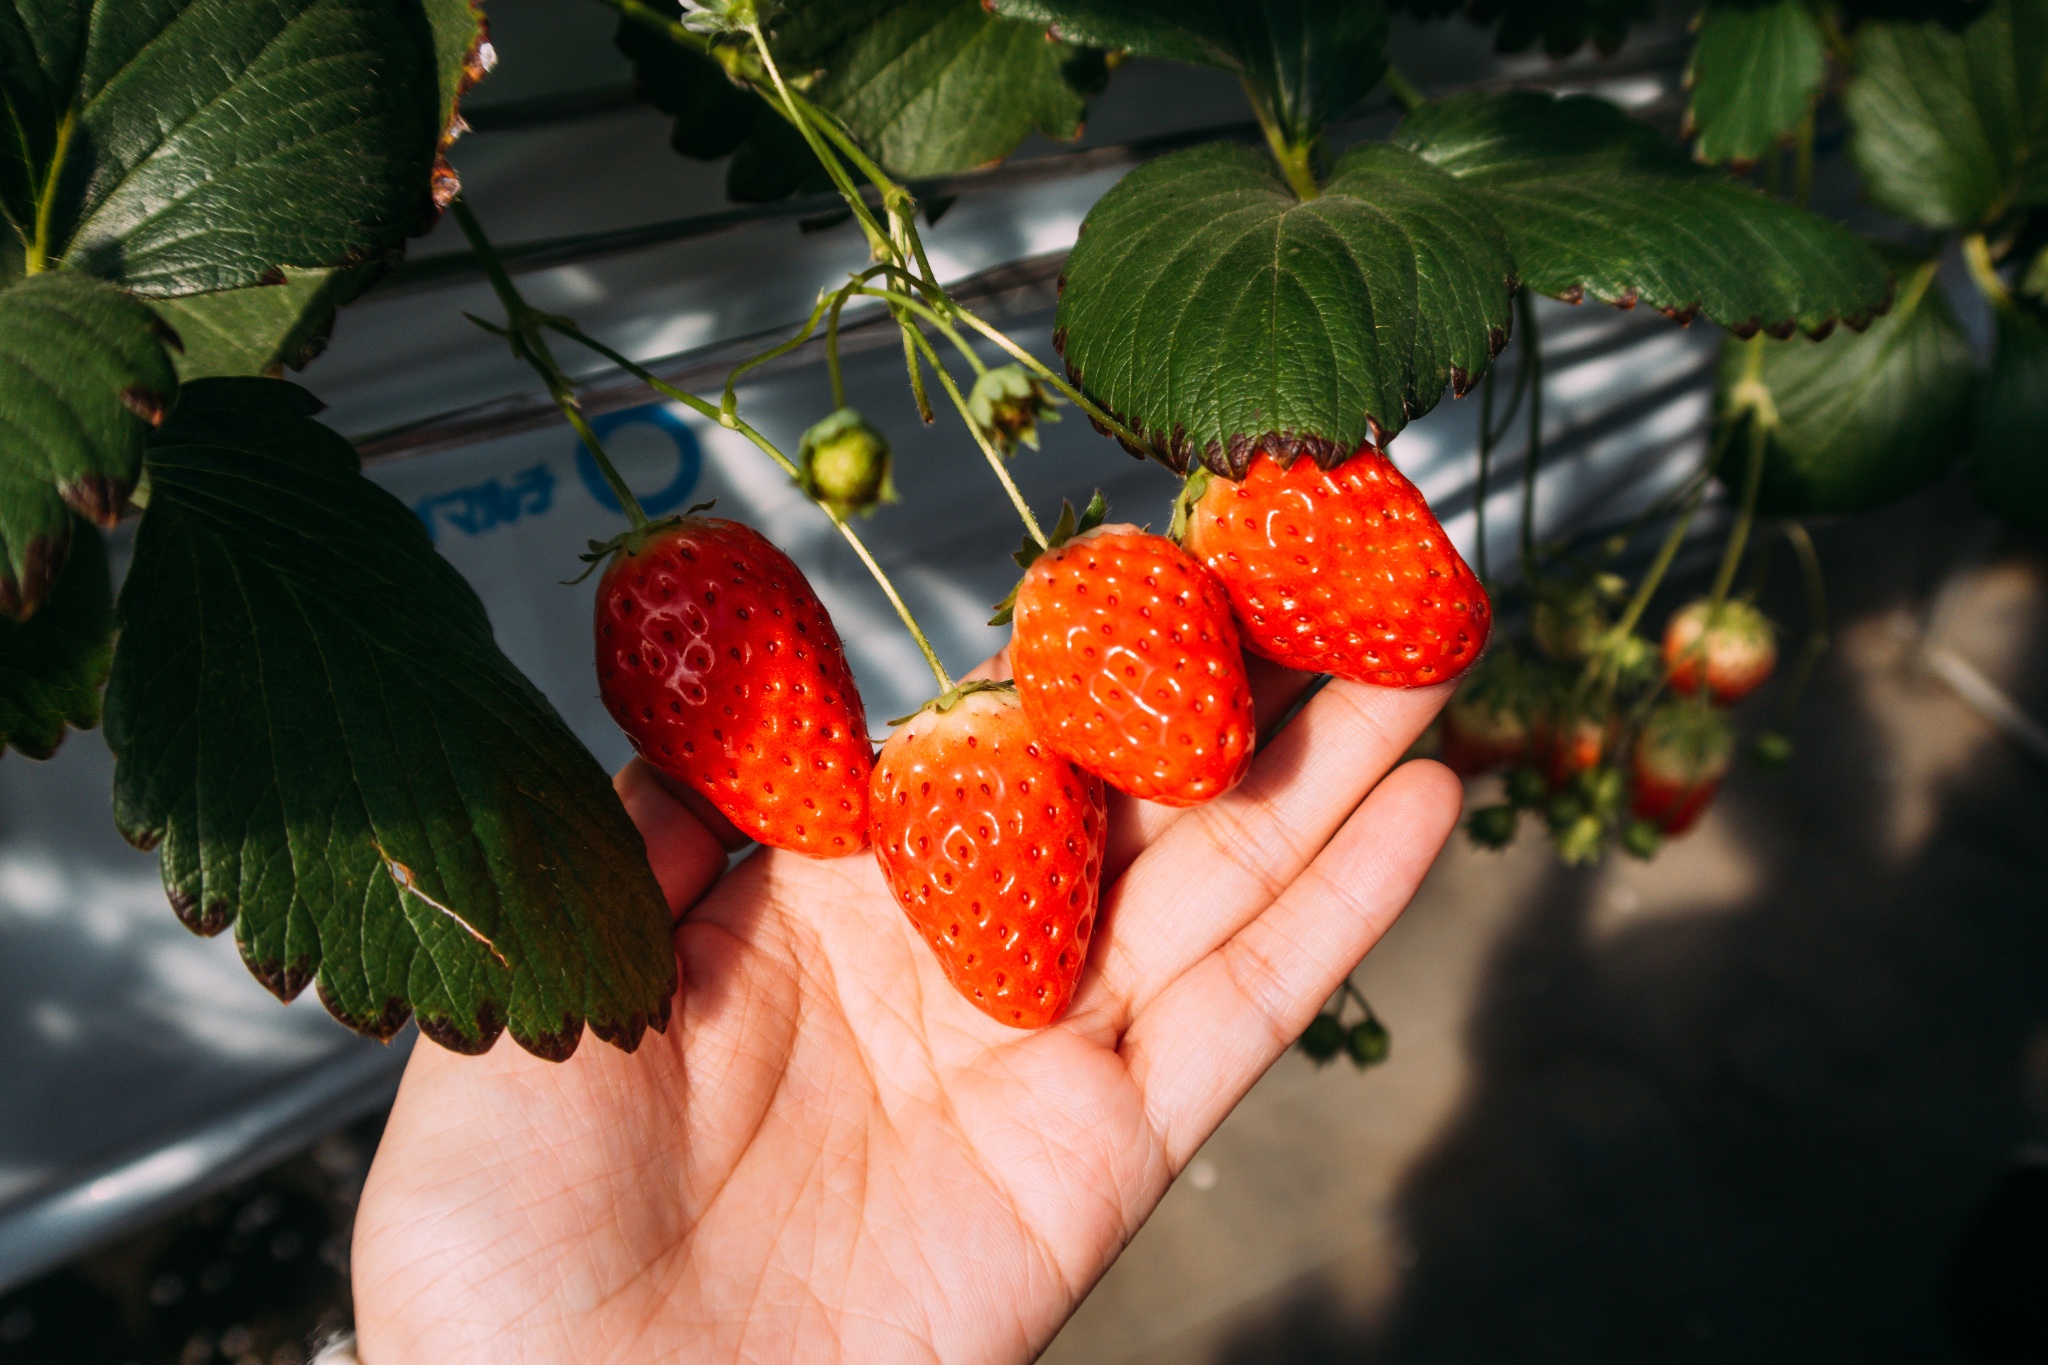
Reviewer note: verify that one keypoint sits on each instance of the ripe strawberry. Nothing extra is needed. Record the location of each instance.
(992, 844)
(720, 664)
(1734, 648)
(1127, 664)
(1343, 572)
(1487, 723)
(1677, 764)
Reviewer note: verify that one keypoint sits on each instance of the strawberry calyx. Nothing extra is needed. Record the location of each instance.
(1068, 527)
(951, 698)
(633, 539)
(1008, 403)
(1184, 506)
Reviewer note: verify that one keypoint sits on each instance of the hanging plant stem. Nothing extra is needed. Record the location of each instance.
(1816, 619)
(995, 457)
(1525, 308)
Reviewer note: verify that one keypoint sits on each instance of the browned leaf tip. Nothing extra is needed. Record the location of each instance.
(383, 1026)
(145, 403)
(1682, 316)
(489, 1024)
(282, 979)
(96, 497)
(21, 594)
(205, 921)
(553, 1045)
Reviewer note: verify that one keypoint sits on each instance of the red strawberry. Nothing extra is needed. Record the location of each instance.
(1487, 723)
(1127, 663)
(1344, 572)
(720, 664)
(1678, 762)
(1568, 746)
(1734, 648)
(992, 844)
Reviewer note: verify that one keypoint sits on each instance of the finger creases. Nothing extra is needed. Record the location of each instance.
(1215, 869)
(1197, 1047)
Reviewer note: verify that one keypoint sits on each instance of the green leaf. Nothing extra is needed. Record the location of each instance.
(1952, 131)
(1311, 60)
(1863, 419)
(183, 146)
(1596, 203)
(265, 328)
(1755, 72)
(310, 714)
(462, 54)
(53, 666)
(2011, 456)
(1215, 312)
(83, 377)
(929, 87)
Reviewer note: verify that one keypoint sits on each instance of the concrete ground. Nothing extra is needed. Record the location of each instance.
(1738, 1104)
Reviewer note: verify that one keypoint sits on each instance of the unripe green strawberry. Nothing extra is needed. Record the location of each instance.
(1677, 764)
(845, 464)
(723, 668)
(1733, 649)
(1008, 403)
(992, 844)
(1344, 571)
(1127, 663)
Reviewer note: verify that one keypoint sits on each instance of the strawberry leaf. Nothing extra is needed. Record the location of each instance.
(1214, 312)
(930, 87)
(462, 55)
(2011, 458)
(265, 328)
(1863, 419)
(134, 138)
(83, 375)
(1596, 203)
(1311, 60)
(310, 714)
(1951, 131)
(53, 666)
(1754, 74)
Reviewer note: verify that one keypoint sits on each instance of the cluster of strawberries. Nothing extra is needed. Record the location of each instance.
(987, 809)
(1588, 764)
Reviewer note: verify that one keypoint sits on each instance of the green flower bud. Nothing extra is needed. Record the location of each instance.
(1323, 1038)
(1008, 403)
(1642, 839)
(845, 464)
(1368, 1043)
(1493, 826)
(1580, 841)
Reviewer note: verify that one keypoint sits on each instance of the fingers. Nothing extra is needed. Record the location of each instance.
(1201, 1044)
(684, 847)
(1219, 866)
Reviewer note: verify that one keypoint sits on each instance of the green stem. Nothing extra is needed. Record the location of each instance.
(995, 457)
(649, 17)
(878, 239)
(916, 306)
(1984, 271)
(911, 338)
(728, 401)
(1525, 306)
(1402, 90)
(1297, 159)
(1802, 162)
(36, 256)
(1058, 382)
(706, 409)
(1485, 460)
(1738, 538)
(523, 324)
(1816, 620)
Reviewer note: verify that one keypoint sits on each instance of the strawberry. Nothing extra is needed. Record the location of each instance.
(1570, 745)
(992, 844)
(1127, 663)
(1678, 761)
(1734, 648)
(1343, 571)
(720, 664)
(1487, 723)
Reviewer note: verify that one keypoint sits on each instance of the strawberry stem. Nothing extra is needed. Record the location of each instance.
(1402, 91)
(523, 324)
(995, 457)
(1738, 536)
(1525, 309)
(788, 466)
(1816, 620)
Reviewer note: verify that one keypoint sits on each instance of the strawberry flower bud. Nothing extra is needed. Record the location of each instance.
(1323, 1037)
(845, 464)
(1368, 1043)
(1008, 403)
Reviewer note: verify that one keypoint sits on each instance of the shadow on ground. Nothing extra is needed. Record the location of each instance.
(1761, 1133)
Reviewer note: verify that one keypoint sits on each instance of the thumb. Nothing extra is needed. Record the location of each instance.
(687, 840)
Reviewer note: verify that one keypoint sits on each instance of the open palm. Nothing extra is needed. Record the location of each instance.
(830, 1155)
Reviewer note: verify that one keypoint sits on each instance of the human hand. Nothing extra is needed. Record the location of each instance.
(831, 1155)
